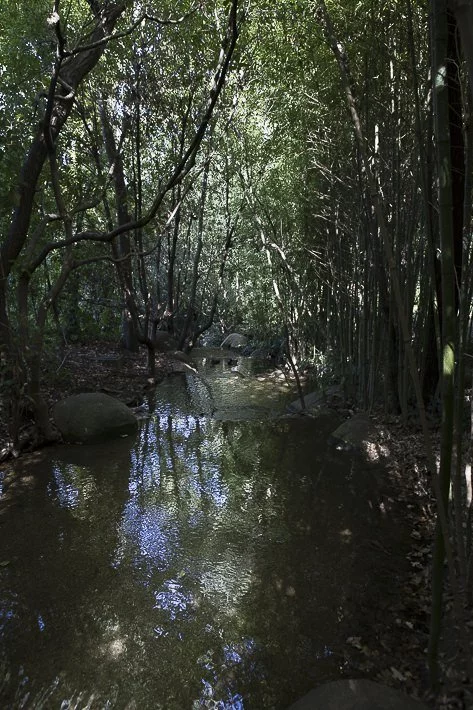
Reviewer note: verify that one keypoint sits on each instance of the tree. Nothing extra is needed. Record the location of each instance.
(70, 68)
(26, 248)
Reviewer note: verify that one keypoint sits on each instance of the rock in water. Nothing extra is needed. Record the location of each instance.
(93, 417)
(356, 695)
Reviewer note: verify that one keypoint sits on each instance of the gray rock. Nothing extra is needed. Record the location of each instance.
(356, 695)
(353, 433)
(234, 340)
(92, 417)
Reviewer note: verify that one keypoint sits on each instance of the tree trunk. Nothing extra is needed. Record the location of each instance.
(121, 245)
(444, 167)
(190, 317)
(463, 10)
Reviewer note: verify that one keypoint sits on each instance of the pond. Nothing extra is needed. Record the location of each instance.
(217, 560)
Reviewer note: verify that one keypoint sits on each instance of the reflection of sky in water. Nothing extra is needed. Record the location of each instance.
(5, 614)
(196, 519)
(211, 487)
(173, 600)
(177, 490)
(152, 530)
(190, 458)
(231, 654)
(145, 469)
(208, 700)
(183, 425)
(67, 493)
(218, 687)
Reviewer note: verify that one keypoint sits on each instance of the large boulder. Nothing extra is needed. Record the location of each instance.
(356, 695)
(235, 340)
(92, 417)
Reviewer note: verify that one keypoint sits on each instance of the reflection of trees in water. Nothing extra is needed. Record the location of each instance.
(205, 517)
(61, 558)
(213, 546)
(200, 394)
(268, 527)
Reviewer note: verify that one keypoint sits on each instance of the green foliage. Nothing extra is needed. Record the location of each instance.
(284, 170)
(25, 55)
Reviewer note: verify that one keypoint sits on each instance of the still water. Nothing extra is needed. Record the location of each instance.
(211, 562)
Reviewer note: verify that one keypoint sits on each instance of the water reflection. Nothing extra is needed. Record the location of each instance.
(206, 564)
(173, 600)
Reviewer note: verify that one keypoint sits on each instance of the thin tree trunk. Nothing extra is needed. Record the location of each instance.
(190, 317)
(463, 10)
(444, 167)
(121, 245)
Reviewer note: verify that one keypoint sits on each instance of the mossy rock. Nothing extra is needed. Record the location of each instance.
(93, 417)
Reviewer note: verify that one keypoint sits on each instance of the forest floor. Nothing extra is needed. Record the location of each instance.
(394, 648)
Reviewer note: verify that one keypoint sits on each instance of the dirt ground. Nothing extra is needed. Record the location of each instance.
(394, 649)
(103, 367)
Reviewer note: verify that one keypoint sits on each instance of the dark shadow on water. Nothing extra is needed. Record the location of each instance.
(205, 564)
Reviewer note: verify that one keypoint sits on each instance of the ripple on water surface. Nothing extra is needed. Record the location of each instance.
(203, 564)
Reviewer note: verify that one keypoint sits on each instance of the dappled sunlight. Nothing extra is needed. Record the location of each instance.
(375, 452)
(226, 581)
(287, 589)
(18, 478)
(114, 644)
(13, 485)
